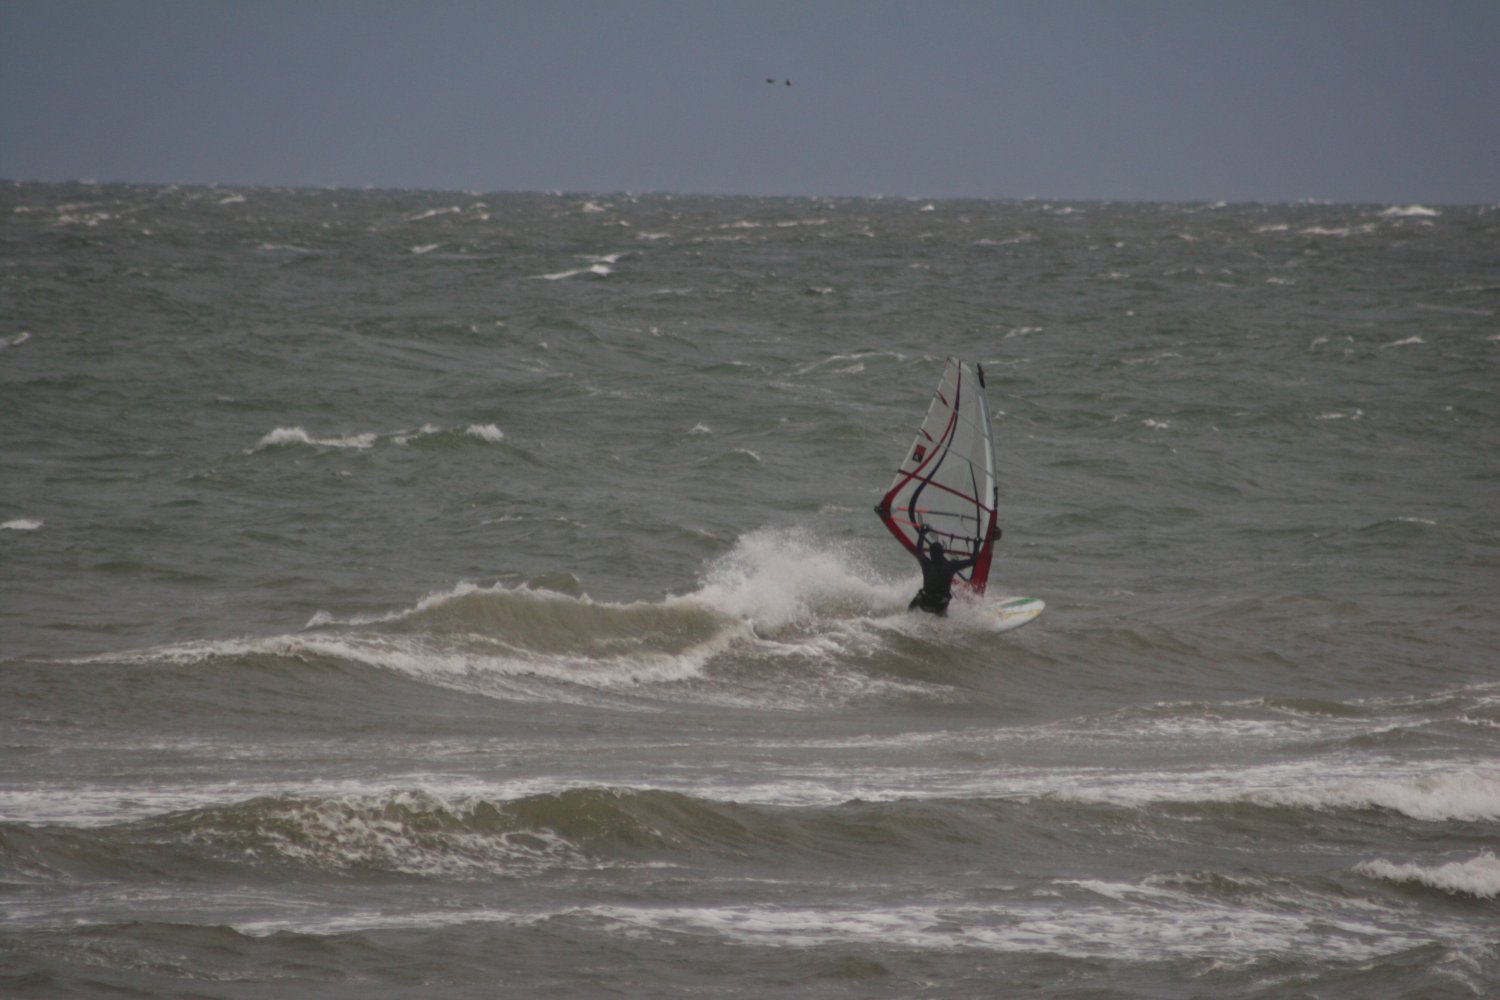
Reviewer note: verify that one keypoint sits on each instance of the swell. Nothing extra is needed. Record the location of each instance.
(418, 834)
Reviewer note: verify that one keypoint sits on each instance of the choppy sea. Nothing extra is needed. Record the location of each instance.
(478, 595)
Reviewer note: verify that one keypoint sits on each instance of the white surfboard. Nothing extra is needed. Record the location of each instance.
(1005, 613)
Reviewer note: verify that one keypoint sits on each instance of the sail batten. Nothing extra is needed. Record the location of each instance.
(947, 481)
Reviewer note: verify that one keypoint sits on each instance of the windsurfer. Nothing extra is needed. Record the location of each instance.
(937, 575)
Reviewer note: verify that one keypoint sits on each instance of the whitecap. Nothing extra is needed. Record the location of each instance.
(431, 212)
(1406, 342)
(21, 524)
(283, 436)
(425, 248)
(423, 431)
(1450, 795)
(485, 432)
(1410, 211)
(602, 270)
(1340, 231)
(17, 340)
(1479, 876)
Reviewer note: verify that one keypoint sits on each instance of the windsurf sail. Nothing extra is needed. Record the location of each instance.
(947, 480)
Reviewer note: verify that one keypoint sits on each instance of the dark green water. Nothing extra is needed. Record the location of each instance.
(478, 595)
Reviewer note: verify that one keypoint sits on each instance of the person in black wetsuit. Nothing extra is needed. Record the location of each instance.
(937, 575)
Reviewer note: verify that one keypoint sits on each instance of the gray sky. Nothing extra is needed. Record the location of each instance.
(1250, 100)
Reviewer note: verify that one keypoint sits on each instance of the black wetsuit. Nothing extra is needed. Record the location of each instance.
(937, 578)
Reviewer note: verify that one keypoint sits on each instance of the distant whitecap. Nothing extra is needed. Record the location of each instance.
(485, 432)
(1410, 212)
(283, 436)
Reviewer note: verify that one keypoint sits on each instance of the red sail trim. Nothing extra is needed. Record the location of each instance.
(890, 495)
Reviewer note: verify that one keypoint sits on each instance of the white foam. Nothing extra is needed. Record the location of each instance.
(425, 248)
(1435, 792)
(700, 428)
(1134, 924)
(485, 432)
(358, 832)
(1479, 876)
(426, 430)
(290, 436)
(95, 806)
(478, 664)
(1444, 795)
(283, 436)
(21, 524)
(1410, 211)
(601, 270)
(17, 340)
(433, 212)
(1406, 342)
(777, 576)
(1355, 414)
(1339, 231)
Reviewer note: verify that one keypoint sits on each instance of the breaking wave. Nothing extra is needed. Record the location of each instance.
(1478, 877)
(778, 622)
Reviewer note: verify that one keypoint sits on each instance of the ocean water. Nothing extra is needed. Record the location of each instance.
(457, 595)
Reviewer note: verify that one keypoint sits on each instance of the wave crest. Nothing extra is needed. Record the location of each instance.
(1478, 877)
